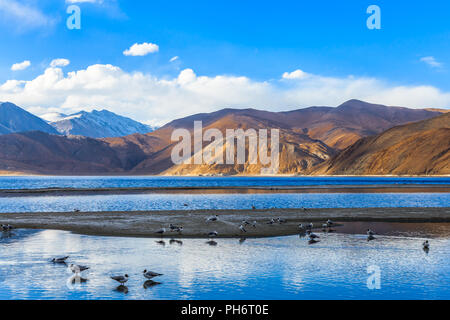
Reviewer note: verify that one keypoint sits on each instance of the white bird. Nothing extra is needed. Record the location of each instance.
(121, 279)
(254, 224)
(151, 274)
(161, 231)
(329, 222)
(245, 222)
(77, 269)
(213, 234)
(241, 227)
(370, 232)
(212, 218)
(280, 220)
(272, 221)
(6, 227)
(60, 260)
(301, 227)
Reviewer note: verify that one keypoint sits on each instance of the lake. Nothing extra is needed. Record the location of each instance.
(38, 182)
(270, 268)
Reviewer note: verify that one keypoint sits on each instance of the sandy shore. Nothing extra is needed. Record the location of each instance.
(240, 189)
(145, 224)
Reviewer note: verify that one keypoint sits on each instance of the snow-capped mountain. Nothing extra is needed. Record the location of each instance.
(99, 124)
(15, 119)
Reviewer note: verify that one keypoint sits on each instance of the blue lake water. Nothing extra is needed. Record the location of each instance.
(156, 181)
(272, 268)
(144, 202)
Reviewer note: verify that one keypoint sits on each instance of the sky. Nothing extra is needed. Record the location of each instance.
(158, 60)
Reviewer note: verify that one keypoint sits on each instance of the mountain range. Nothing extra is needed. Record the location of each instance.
(95, 124)
(353, 138)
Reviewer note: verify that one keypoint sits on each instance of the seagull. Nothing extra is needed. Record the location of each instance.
(151, 274)
(161, 231)
(426, 245)
(309, 226)
(213, 234)
(280, 221)
(76, 210)
(241, 227)
(370, 232)
(245, 222)
(313, 236)
(254, 224)
(77, 269)
(60, 260)
(329, 222)
(121, 279)
(301, 227)
(212, 218)
(174, 228)
(6, 227)
(272, 221)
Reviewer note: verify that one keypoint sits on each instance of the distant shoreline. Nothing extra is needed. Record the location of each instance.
(410, 188)
(146, 223)
(115, 174)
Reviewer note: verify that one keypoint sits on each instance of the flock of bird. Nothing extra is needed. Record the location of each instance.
(121, 279)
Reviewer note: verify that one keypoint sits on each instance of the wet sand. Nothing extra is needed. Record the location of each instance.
(145, 224)
(231, 189)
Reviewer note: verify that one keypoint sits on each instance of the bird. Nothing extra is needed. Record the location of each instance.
(76, 210)
(330, 223)
(245, 222)
(370, 232)
(212, 218)
(60, 260)
(186, 205)
(241, 227)
(272, 221)
(121, 279)
(370, 238)
(280, 220)
(301, 226)
(313, 236)
(151, 274)
(253, 207)
(254, 224)
(77, 269)
(174, 228)
(213, 234)
(6, 227)
(161, 231)
(426, 245)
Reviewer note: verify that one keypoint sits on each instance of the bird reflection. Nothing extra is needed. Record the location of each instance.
(122, 289)
(150, 283)
(212, 243)
(174, 241)
(161, 242)
(242, 240)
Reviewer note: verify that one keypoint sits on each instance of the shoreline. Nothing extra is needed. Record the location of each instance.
(146, 223)
(429, 188)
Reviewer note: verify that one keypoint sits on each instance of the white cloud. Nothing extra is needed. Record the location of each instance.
(155, 100)
(23, 16)
(297, 74)
(59, 63)
(20, 65)
(142, 49)
(432, 62)
(174, 59)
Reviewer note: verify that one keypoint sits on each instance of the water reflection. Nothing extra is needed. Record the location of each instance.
(272, 268)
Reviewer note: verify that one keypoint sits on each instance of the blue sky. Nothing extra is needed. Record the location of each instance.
(249, 45)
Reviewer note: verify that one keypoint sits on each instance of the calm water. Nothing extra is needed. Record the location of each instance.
(122, 182)
(221, 201)
(273, 268)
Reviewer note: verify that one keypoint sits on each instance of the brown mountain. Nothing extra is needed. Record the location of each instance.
(308, 137)
(419, 148)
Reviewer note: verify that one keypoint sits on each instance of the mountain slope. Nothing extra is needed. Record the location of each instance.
(15, 119)
(99, 124)
(419, 148)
